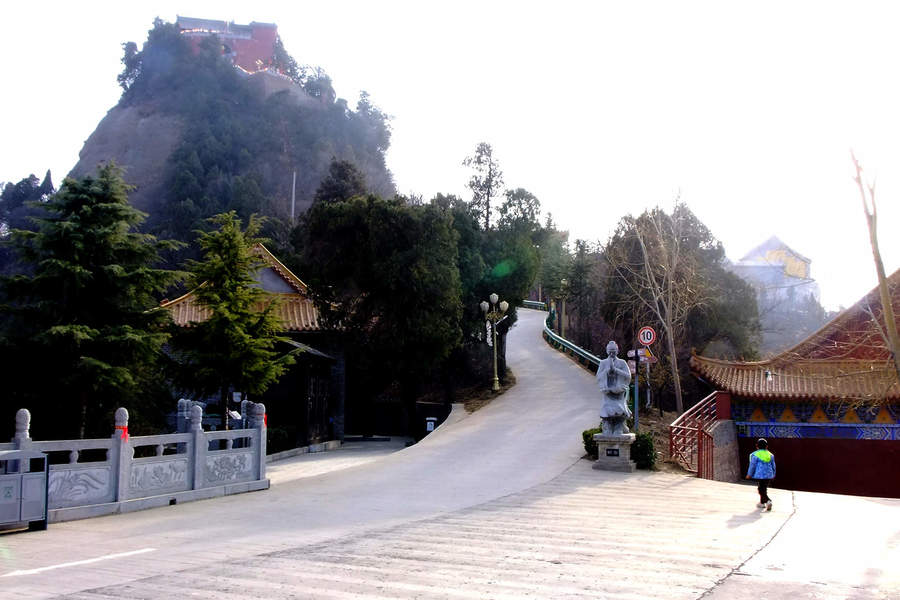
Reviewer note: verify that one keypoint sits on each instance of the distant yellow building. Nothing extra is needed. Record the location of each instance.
(786, 294)
(778, 272)
(775, 253)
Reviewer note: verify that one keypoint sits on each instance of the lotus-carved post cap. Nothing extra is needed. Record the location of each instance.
(23, 423)
(258, 415)
(196, 417)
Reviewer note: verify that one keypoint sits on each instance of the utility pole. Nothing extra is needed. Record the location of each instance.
(293, 195)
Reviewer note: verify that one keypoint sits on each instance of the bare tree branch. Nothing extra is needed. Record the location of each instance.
(665, 280)
(887, 307)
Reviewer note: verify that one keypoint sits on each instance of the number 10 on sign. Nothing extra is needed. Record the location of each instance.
(646, 336)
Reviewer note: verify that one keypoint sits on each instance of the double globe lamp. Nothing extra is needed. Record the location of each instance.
(494, 313)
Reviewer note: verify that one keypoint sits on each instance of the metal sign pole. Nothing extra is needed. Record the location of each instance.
(646, 336)
(637, 375)
(647, 404)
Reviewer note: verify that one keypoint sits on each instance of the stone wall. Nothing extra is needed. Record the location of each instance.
(726, 462)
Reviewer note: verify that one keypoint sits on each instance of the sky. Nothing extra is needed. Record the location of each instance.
(747, 112)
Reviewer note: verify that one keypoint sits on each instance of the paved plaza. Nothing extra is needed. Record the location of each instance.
(497, 504)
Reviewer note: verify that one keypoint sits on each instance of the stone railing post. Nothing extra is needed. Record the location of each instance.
(258, 422)
(200, 446)
(183, 416)
(183, 422)
(246, 408)
(245, 412)
(22, 439)
(121, 454)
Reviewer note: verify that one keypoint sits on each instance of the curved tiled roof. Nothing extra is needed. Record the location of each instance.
(296, 311)
(846, 359)
(832, 379)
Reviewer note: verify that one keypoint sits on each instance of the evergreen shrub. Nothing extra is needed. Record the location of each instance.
(643, 452)
(590, 446)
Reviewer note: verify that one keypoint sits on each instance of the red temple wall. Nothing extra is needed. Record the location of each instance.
(260, 47)
(247, 51)
(856, 467)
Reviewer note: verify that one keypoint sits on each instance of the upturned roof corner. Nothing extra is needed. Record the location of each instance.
(846, 359)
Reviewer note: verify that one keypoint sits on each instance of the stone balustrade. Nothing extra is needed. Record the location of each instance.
(123, 473)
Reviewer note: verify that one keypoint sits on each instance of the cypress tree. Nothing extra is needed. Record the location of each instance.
(80, 333)
(234, 349)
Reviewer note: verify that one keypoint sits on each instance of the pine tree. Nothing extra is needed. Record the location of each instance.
(78, 333)
(486, 180)
(344, 181)
(234, 349)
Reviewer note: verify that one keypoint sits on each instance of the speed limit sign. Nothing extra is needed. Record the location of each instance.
(647, 335)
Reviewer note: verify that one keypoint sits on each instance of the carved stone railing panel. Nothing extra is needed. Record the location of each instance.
(76, 485)
(228, 466)
(153, 476)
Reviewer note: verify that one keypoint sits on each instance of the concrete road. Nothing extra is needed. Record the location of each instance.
(832, 546)
(497, 504)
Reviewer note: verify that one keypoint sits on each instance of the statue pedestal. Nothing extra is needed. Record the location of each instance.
(614, 452)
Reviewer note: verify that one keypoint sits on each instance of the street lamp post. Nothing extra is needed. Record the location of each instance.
(563, 294)
(494, 312)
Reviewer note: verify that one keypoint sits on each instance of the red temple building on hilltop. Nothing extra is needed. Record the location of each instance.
(249, 47)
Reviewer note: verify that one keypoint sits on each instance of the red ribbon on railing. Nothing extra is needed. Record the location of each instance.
(124, 429)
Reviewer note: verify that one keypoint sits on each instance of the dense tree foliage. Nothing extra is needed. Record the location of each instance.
(584, 298)
(787, 318)
(508, 252)
(555, 259)
(343, 182)
(19, 204)
(470, 260)
(161, 70)
(661, 269)
(285, 63)
(79, 338)
(406, 278)
(386, 271)
(235, 348)
(520, 211)
(17, 201)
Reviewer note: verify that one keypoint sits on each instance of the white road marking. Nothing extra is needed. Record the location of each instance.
(78, 562)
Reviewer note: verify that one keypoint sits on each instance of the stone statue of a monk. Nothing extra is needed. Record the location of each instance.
(613, 378)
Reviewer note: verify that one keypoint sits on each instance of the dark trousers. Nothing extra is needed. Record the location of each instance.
(762, 485)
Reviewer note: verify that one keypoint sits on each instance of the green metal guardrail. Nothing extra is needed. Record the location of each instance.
(584, 357)
(534, 304)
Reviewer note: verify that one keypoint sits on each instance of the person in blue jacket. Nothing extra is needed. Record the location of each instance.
(762, 469)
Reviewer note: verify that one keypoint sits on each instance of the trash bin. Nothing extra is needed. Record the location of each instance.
(430, 423)
(23, 488)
